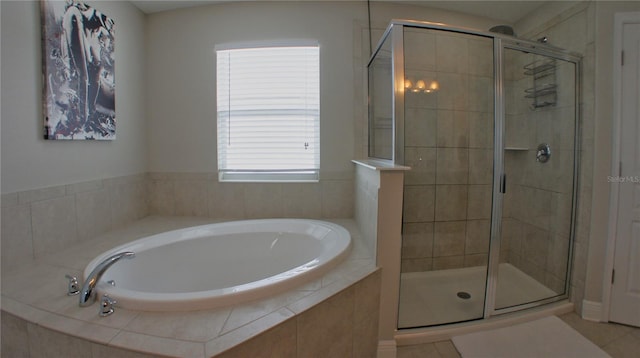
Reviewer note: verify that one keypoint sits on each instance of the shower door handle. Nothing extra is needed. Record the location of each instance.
(503, 184)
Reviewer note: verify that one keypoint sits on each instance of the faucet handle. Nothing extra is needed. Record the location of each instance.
(73, 287)
(106, 305)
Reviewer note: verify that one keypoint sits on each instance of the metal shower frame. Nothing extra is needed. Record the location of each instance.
(395, 33)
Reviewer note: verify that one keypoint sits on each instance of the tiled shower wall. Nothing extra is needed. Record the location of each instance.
(538, 201)
(574, 29)
(42, 221)
(449, 146)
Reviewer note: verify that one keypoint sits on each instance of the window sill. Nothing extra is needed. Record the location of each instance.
(269, 177)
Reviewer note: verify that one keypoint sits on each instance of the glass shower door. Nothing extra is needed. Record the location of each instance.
(539, 167)
(448, 143)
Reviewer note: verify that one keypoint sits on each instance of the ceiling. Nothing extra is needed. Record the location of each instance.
(153, 6)
(509, 11)
(506, 11)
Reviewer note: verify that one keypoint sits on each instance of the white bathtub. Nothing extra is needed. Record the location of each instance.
(220, 264)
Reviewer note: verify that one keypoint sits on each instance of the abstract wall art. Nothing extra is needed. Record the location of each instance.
(78, 61)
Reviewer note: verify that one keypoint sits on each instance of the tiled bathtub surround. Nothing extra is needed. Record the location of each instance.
(38, 222)
(335, 315)
(201, 194)
(57, 230)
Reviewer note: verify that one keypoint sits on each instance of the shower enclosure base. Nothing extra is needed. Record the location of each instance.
(448, 296)
(407, 337)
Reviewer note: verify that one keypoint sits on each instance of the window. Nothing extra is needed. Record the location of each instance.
(268, 113)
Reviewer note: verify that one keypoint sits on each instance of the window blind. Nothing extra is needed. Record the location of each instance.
(268, 113)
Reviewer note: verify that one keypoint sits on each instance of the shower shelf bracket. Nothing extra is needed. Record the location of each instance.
(544, 91)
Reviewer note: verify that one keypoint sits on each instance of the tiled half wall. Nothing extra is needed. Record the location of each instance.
(38, 222)
(42, 221)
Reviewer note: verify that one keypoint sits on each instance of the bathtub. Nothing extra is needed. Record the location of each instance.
(220, 264)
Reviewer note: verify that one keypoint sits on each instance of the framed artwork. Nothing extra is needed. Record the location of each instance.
(78, 63)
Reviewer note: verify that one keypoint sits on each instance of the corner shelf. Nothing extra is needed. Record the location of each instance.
(544, 91)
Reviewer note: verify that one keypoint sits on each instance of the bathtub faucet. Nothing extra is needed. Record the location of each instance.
(87, 294)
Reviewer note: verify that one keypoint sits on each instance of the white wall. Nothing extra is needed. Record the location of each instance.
(175, 130)
(181, 71)
(28, 161)
(182, 84)
(603, 87)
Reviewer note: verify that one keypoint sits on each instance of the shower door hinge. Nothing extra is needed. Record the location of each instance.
(613, 276)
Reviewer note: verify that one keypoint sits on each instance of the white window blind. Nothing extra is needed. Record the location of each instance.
(268, 113)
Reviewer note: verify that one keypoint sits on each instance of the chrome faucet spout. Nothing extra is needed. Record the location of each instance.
(87, 294)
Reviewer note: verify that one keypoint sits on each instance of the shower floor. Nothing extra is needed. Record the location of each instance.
(431, 297)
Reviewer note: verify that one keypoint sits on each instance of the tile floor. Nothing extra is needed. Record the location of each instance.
(617, 340)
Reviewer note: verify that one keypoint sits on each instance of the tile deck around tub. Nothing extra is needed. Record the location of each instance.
(37, 294)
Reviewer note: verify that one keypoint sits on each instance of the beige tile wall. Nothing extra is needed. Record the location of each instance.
(447, 212)
(448, 144)
(538, 203)
(573, 29)
(39, 222)
(200, 194)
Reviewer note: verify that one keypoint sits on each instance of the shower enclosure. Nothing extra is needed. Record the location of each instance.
(489, 125)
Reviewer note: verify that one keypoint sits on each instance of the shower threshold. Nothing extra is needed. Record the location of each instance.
(446, 296)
